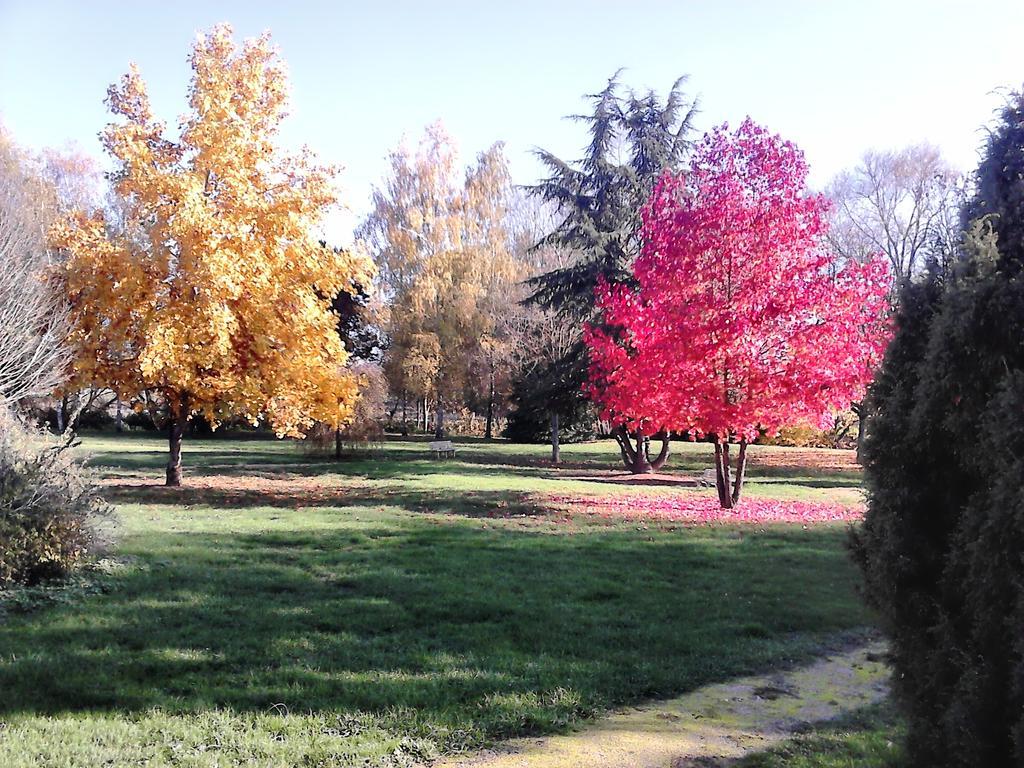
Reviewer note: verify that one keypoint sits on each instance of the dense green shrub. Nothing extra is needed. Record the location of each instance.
(140, 420)
(95, 419)
(529, 421)
(48, 507)
(942, 546)
(553, 385)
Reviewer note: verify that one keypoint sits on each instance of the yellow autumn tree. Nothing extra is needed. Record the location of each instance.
(212, 287)
(441, 241)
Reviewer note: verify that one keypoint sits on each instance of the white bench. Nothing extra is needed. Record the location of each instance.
(442, 449)
(708, 478)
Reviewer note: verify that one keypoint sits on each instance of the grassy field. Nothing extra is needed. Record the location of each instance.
(285, 610)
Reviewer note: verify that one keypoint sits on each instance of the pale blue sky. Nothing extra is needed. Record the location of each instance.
(836, 77)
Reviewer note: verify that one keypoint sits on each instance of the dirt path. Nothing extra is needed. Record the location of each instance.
(710, 726)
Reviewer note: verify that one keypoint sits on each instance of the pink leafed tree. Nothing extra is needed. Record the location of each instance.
(739, 321)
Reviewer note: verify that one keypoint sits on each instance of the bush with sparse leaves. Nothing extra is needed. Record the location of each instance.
(48, 505)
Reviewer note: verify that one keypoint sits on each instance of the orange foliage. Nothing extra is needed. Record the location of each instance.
(211, 286)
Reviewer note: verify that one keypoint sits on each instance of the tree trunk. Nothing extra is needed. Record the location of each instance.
(555, 448)
(662, 457)
(488, 434)
(640, 464)
(175, 429)
(722, 481)
(741, 468)
(439, 425)
(729, 488)
(426, 423)
(337, 445)
(118, 420)
(625, 448)
(862, 417)
(60, 409)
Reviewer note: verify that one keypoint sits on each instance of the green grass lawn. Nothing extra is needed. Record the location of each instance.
(283, 610)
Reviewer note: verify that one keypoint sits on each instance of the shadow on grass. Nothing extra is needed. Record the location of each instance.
(401, 466)
(510, 630)
(396, 464)
(285, 495)
(204, 454)
(283, 488)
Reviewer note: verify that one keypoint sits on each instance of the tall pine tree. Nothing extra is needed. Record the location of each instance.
(634, 137)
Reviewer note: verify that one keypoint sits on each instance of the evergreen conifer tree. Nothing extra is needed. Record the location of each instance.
(634, 137)
(941, 547)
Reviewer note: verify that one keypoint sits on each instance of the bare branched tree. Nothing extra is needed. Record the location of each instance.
(33, 315)
(904, 204)
(898, 203)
